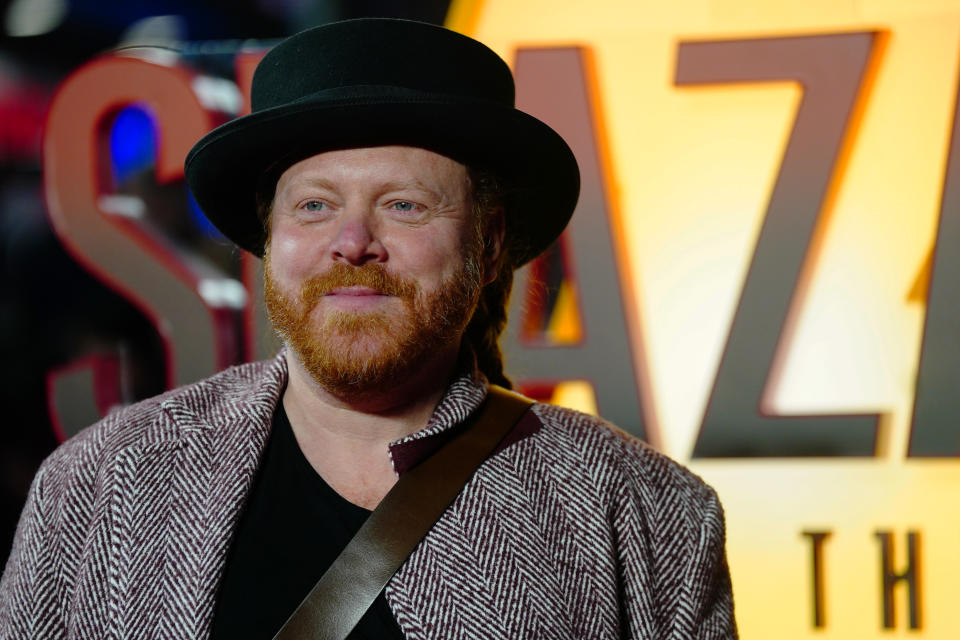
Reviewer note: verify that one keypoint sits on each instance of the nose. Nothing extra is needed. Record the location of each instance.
(356, 242)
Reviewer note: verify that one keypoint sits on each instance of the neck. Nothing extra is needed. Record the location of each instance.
(346, 439)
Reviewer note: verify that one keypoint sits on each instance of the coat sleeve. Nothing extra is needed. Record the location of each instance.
(707, 591)
(28, 589)
(675, 582)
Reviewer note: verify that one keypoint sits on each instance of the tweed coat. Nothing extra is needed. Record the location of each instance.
(574, 530)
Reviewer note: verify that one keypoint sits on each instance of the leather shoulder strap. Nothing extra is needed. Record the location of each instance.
(344, 593)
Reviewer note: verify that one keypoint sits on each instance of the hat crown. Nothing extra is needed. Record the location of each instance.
(407, 55)
(374, 82)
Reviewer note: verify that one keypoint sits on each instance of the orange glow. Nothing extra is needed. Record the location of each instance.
(690, 171)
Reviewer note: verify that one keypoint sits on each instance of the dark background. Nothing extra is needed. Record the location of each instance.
(52, 311)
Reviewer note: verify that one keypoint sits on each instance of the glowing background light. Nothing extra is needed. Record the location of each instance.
(132, 147)
(692, 168)
(34, 17)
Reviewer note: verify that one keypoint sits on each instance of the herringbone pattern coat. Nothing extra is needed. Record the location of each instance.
(575, 530)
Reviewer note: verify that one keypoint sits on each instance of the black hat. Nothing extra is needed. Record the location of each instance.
(376, 81)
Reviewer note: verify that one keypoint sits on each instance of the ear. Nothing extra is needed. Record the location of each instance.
(494, 235)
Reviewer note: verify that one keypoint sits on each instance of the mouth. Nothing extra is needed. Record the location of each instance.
(355, 292)
(356, 299)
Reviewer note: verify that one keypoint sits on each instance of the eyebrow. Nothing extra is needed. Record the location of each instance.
(392, 185)
(385, 187)
(316, 181)
(408, 184)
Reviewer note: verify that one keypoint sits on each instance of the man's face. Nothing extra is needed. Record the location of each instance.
(373, 263)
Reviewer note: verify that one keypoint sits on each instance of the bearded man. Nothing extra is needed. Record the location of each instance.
(392, 188)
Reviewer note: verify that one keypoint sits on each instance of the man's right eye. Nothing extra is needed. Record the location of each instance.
(314, 205)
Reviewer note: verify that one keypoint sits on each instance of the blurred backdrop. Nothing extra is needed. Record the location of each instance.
(54, 313)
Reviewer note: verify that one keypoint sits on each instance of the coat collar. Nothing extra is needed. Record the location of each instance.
(465, 394)
(196, 466)
(240, 403)
(245, 395)
(178, 493)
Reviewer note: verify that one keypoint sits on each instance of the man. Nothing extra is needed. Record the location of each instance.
(392, 188)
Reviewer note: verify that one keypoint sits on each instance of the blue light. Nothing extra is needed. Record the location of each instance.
(133, 150)
(200, 220)
(132, 143)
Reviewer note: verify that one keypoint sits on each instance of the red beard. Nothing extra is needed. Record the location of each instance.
(355, 353)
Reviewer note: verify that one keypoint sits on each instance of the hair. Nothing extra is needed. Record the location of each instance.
(490, 317)
(482, 335)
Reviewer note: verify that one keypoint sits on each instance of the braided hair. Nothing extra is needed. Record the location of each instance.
(490, 317)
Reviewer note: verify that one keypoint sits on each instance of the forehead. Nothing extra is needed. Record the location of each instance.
(387, 165)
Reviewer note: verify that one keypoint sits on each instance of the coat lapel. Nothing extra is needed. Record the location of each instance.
(183, 491)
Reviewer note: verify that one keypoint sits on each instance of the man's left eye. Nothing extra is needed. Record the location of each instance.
(404, 205)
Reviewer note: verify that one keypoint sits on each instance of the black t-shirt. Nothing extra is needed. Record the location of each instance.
(293, 528)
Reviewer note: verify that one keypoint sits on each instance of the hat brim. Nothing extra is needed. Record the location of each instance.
(224, 167)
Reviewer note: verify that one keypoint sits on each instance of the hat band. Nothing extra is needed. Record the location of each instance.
(375, 93)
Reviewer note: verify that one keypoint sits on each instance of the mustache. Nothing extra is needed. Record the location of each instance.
(372, 276)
